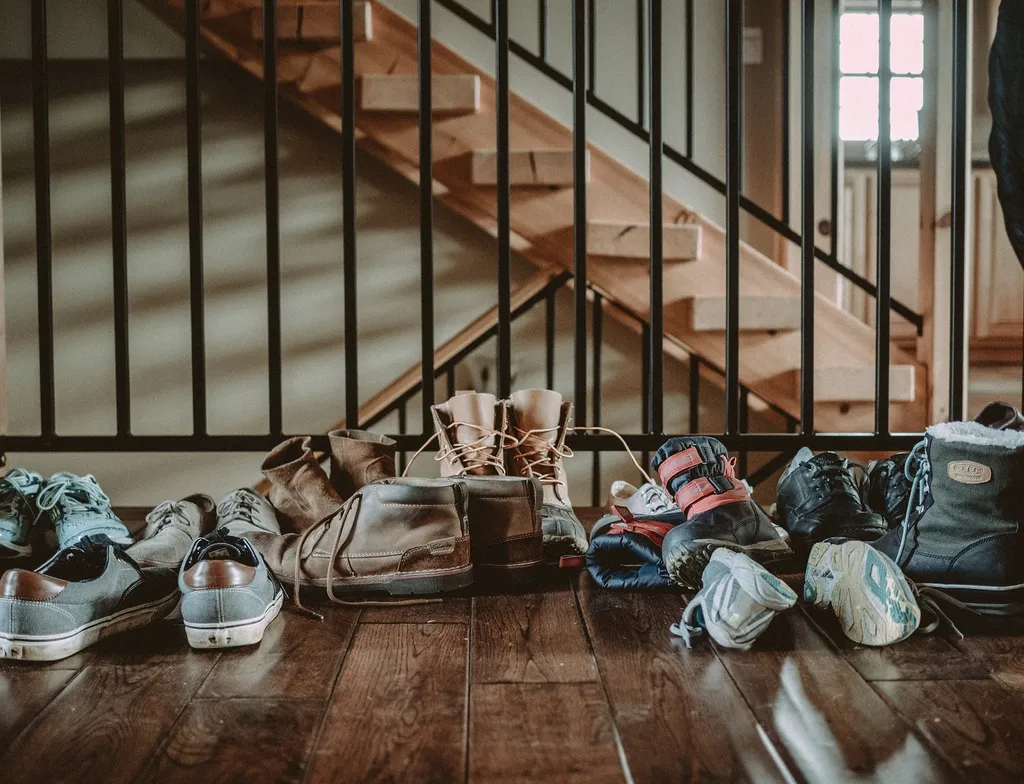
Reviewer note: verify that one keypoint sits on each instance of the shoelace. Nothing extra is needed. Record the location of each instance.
(541, 460)
(656, 498)
(12, 493)
(687, 630)
(919, 489)
(76, 494)
(473, 454)
(241, 503)
(163, 515)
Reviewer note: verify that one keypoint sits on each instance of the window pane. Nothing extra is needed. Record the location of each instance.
(858, 43)
(907, 51)
(907, 98)
(858, 108)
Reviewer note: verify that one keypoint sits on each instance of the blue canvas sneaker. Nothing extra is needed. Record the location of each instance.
(18, 491)
(78, 507)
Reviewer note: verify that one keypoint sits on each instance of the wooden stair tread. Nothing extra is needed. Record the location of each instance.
(450, 93)
(633, 240)
(840, 384)
(527, 168)
(757, 313)
(318, 21)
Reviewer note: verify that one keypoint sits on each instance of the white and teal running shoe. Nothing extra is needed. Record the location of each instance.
(873, 601)
(78, 507)
(738, 600)
(18, 491)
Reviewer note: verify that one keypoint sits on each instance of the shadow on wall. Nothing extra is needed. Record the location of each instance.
(234, 235)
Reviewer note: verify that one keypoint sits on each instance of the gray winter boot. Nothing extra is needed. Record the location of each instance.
(962, 533)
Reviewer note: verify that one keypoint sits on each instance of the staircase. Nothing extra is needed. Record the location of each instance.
(542, 204)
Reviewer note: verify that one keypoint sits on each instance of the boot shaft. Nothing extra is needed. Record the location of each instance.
(359, 458)
(299, 488)
(539, 421)
(472, 433)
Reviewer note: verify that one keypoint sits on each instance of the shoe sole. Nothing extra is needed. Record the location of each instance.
(985, 599)
(233, 635)
(558, 547)
(413, 585)
(53, 647)
(687, 568)
(866, 590)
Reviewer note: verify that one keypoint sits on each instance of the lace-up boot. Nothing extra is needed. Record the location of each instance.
(171, 528)
(299, 488)
(504, 511)
(78, 508)
(18, 491)
(715, 510)
(818, 499)
(358, 458)
(539, 420)
(962, 535)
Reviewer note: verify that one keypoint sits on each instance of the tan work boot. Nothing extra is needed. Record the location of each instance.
(504, 511)
(299, 488)
(398, 536)
(538, 422)
(358, 458)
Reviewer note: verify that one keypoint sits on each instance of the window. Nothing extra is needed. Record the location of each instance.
(858, 81)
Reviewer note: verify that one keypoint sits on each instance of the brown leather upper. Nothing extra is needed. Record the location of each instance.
(359, 458)
(299, 488)
(544, 412)
(504, 509)
(218, 574)
(30, 586)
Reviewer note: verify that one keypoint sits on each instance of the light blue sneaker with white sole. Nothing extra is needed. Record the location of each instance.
(872, 599)
(18, 491)
(78, 508)
(737, 601)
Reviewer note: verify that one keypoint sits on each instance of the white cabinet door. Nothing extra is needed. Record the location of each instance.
(998, 313)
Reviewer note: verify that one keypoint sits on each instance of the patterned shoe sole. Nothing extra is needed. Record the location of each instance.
(866, 590)
(687, 567)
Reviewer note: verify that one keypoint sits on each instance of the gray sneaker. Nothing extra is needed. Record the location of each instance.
(78, 508)
(18, 491)
(81, 595)
(229, 595)
(244, 511)
(171, 528)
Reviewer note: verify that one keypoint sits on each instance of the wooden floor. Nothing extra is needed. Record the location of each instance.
(567, 683)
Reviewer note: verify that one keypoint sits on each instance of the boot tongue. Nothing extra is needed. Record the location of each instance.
(538, 409)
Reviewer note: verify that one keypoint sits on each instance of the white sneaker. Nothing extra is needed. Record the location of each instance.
(868, 593)
(648, 499)
(244, 511)
(738, 600)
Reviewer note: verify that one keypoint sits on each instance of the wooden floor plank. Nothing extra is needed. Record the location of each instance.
(827, 723)
(106, 724)
(998, 643)
(234, 740)
(534, 637)
(528, 732)
(451, 609)
(24, 694)
(398, 709)
(977, 726)
(298, 658)
(678, 713)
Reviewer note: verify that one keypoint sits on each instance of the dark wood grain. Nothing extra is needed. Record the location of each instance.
(105, 724)
(679, 715)
(976, 726)
(224, 741)
(398, 710)
(24, 694)
(542, 732)
(998, 643)
(298, 658)
(827, 723)
(531, 637)
(451, 609)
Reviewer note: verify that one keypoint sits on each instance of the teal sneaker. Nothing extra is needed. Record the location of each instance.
(18, 491)
(868, 593)
(78, 507)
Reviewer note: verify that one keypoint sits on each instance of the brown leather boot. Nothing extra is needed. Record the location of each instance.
(299, 488)
(358, 458)
(504, 511)
(399, 536)
(538, 421)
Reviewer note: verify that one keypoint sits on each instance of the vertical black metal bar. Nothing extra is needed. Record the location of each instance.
(742, 464)
(690, 59)
(271, 176)
(549, 338)
(784, 154)
(694, 393)
(883, 219)
(426, 128)
(591, 46)
(958, 239)
(733, 187)
(44, 235)
(655, 422)
(597, 338)
(348, 187)
(194, 140)
(119, 214)
(403, 426)
(833, 197)
(807, 126)
(500, 11)
(542, 29)
(579, 211)
(450, 381)
(640, 62)
(645, 379)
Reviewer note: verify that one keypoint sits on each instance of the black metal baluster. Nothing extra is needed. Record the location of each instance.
(694, 393)
(426, 128)
(500, 13)
(807, 126)
(834, 134)
(597, 338)
(542, 29)
(194, 140)
(645, 378)
(742, 466)
(591, 47)
(640, 62)
(271, 175)
(119, 214)
(549, 338)
(690, 59)
(579, 207)
(450, 381)
(348, 187)
(784, 131)
(733, 186)
(884, 220)
(655, 424)
(958, 234)
(403, 427)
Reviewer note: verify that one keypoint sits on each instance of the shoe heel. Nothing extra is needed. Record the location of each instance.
(444, 583)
